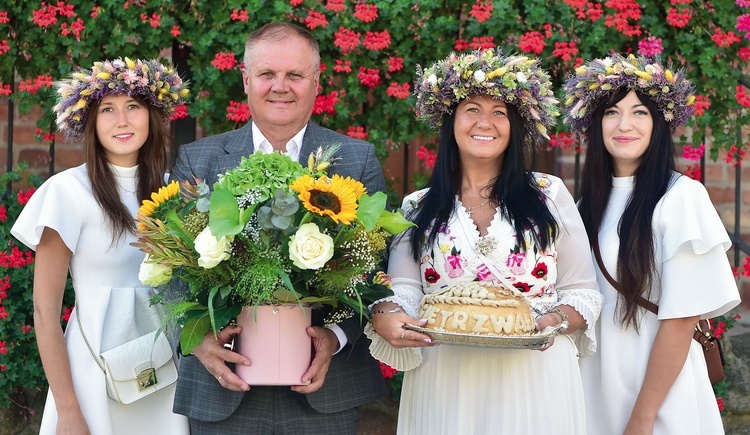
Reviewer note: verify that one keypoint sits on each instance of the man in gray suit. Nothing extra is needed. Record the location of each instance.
(282, 69)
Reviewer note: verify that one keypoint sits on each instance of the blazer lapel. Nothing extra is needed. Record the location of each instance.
(310, 142)
(240, 146)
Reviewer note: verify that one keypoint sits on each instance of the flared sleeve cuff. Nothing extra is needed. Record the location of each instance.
(687, 217)
(588, 303)
(400, 358)
(50, 206)
(695, 284)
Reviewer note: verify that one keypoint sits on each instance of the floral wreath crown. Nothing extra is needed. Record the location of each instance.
(514, 79)
(158, 85)
(601, 78)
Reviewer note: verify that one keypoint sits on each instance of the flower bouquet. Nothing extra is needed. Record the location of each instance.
(271, 232)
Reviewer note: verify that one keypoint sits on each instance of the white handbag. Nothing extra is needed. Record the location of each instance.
(139, 367)
(136, 368)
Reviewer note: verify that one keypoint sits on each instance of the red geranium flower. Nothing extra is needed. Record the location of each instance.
(239, 15)
(366, 12)
(238, 112)
(346, 40)
(224, 61)
(315, 19)
(25, 195)
(395, 64)
(369, 77)
(532, 42)
(4, 47)
(399, 91)
(343, 66)
(377, 40)
(357, 132)
(481, 11)
(335, 5)
(388, 371)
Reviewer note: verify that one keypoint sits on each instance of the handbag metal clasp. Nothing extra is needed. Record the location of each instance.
(146, 378)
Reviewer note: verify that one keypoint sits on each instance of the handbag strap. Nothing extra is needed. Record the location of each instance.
(643, 302)
(80, 328)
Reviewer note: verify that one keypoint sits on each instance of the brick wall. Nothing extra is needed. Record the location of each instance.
(719, 178)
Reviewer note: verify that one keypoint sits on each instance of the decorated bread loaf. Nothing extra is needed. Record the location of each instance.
(477, 308)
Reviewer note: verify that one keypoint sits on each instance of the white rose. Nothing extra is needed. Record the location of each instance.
(154, 274)
(309, 248)
(212, 250)
(479, 76)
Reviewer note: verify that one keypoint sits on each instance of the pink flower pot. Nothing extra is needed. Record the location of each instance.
(275, 339)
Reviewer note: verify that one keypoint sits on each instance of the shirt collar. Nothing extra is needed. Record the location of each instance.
(293, 147)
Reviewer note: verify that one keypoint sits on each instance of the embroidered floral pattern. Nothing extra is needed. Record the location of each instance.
(431, 275)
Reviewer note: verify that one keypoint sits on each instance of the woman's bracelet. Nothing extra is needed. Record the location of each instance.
(559, 312)
(392, 310)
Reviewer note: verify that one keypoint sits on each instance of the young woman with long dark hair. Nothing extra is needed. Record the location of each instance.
(82, 221)
(660, 241)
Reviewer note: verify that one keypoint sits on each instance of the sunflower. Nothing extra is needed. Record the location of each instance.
(165, 199)
(335, 197)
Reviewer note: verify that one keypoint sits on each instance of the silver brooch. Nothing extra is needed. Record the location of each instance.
(486, 244)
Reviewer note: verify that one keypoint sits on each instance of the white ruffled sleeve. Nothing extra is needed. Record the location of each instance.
(407, 293)
(697, 278)
(50, 206)
(576, 277)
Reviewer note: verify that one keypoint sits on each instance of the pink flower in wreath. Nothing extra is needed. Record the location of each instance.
(515, 262)
(453, 266)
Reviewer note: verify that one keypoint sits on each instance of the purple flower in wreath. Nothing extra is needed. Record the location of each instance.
(523, 287)
(431, 275)
(540, 271)
(515, 262)
(484, 274)
(453, 266)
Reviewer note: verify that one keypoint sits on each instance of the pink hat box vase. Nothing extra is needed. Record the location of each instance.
(274, 338)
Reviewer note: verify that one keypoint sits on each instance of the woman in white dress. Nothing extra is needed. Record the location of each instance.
(82, 220)
(660, 240)
(485, 218)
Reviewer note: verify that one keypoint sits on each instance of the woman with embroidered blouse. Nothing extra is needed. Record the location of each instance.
(657, 237)
(484, 217)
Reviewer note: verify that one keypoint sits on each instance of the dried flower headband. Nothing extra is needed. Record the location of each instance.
(514, 79)
(158, 85)
(601, 78)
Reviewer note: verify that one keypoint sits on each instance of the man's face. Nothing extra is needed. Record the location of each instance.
(281, 83)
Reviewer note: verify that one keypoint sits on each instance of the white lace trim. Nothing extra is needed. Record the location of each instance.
(589, 304)
(405, 297)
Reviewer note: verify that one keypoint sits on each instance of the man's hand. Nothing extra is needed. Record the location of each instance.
(325, 344)
(214, 357)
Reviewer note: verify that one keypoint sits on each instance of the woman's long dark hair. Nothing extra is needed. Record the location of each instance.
(636, 264)
(152, 162)
(520, 199)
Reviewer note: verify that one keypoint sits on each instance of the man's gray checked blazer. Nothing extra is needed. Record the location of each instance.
(354, 377)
